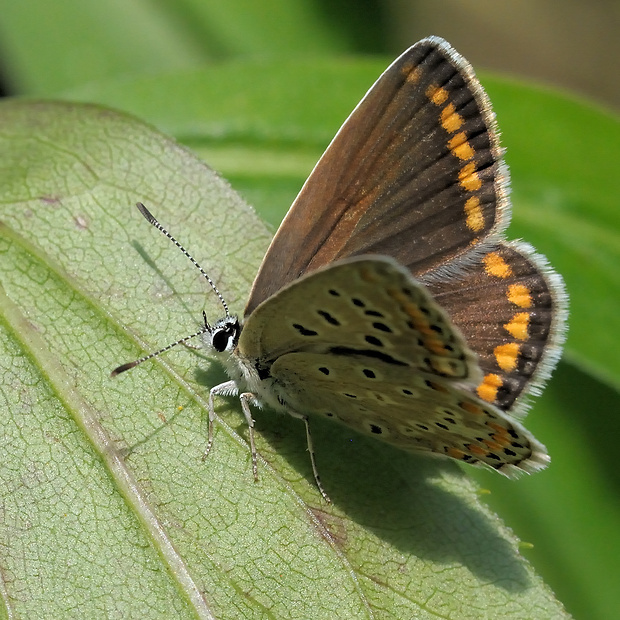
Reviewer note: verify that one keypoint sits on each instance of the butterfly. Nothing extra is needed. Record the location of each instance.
(389, 299)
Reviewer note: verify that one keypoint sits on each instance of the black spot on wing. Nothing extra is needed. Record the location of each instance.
(372, 353)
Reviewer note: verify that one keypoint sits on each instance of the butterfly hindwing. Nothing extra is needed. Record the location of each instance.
(407, 410)
(362, 343)
(510, 307)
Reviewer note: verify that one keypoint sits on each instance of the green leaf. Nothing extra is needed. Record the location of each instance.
(570, 512)
(263, 124)
(72, 42)
(108, 506)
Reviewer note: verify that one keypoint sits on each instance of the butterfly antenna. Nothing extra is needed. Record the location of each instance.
(204, 329)
(149, 217)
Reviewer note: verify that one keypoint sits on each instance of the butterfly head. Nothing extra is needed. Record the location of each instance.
(223, 335)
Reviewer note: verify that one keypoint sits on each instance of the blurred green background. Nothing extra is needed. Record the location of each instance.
(148, 58)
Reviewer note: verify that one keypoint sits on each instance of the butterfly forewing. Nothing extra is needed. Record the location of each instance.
(414, 173)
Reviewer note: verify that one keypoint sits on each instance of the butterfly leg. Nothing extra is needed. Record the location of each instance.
(224, 389)
(315, 471)
(246, 398)
(229, 389)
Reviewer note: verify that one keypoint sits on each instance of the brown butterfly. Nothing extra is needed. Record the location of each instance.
(389, 299)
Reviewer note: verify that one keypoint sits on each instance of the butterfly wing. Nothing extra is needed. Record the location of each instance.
(511, 308)
(414, 173)
(377, 353)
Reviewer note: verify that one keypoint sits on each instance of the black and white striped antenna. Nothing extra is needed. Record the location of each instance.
(204, 329)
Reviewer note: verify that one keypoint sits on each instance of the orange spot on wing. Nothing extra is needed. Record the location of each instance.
(519, 295)
(471, 408)
(518, 326)
(446, 367)
(496, 266)
(487, 390)
(413, 74)
(436, 94)
(435, 345)
(502, 440)
(474, 449)
(455, 453)
(438, 387)
(473, 214)
(460, 147)
(492, 444)
(450, 120)
(507, 355)
(468, 177)
(499, 430)
(421, 323)
(407, 67)
(413, 310)
(368, 275)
